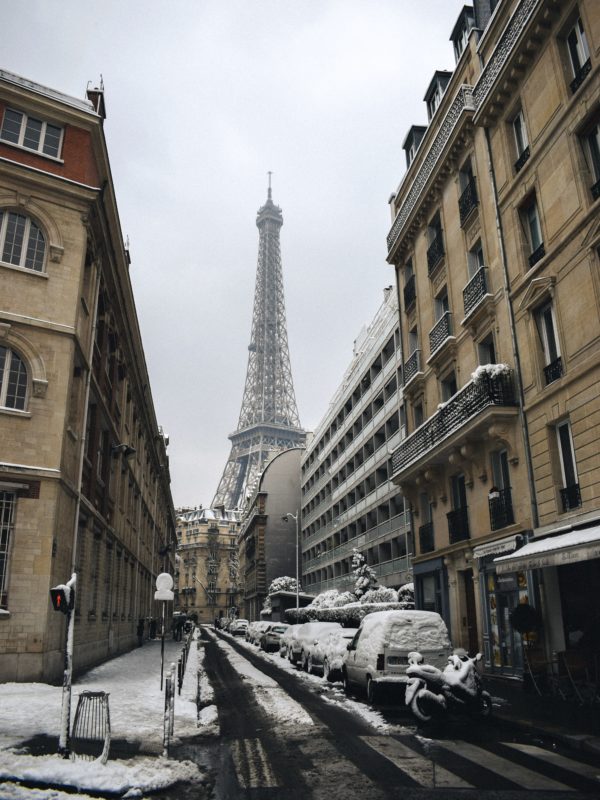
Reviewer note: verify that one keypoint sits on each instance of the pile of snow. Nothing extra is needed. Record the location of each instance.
(490, 371)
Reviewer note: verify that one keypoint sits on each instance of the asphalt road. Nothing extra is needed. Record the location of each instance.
(339, 755)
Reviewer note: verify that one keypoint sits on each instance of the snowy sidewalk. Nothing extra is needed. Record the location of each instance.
(32, 710)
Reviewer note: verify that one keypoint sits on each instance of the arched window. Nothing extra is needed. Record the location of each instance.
(21, 241)
(13, 380)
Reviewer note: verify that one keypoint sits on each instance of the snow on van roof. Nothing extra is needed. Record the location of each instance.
(407, 630)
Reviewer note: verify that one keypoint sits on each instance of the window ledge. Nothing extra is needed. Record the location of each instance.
(39, 153)
(26, 270)
(14, 412)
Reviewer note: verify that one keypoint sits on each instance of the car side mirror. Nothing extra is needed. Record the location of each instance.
(349, 646)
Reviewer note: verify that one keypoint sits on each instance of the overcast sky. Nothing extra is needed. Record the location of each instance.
(203, 99)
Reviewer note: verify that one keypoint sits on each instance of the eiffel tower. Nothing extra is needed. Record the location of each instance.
(269, 415)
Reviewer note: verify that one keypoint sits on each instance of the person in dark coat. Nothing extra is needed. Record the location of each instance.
(140, 631)
(152, 628)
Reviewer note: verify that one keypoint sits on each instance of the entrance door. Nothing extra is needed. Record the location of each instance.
(471, 615)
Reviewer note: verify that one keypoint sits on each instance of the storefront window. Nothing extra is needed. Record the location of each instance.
(504, 592)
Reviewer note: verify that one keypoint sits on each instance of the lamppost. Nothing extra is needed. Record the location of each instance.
(296, 518)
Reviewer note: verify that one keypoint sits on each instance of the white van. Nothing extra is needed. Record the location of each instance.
(378, 655)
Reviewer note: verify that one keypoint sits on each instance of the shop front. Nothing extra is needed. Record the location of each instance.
(431, 588)
(500, 594)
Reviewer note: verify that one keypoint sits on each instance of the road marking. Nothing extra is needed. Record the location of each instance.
(557, 759)
(421, 769)
(525, 778)
(251, 765)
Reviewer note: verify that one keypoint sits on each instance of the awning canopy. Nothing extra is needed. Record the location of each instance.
(508, 544)
(554, 551)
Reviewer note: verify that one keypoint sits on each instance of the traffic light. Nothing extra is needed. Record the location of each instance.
(59, 599)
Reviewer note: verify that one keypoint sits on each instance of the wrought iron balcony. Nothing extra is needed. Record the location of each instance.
(410, 292)
(523, 157)
(412, 366)
(435, 253)
(440, 331)
(571, 497)
(467, 201)
(466, 404)
(501, 510)
(537, 255)
(553, 371)
(458, 525)
(475, 290)
(596, 190)
(582, 72)
(426, 539)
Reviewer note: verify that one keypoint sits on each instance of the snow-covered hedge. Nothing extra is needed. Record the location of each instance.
(490, 371)
(380, 595)
(349, 616)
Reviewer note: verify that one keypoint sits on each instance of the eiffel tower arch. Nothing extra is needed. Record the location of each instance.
(268, 419)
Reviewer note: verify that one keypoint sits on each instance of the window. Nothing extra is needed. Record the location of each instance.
(441, 304)
(435, 251)
(8, 502)
(544, 318)
(533, 232)
(448, 386)
(413, 341)
(521, 141)
(579, 54)
(34, 134)
(468, 199)
(13, 380)
(591, 148)
(475, 259)
(458, 520)
(21, 241)
(486, 351)
(418, 414)
(570, 494)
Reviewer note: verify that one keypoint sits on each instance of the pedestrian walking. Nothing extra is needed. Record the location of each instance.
(140, 631)
(152, 628)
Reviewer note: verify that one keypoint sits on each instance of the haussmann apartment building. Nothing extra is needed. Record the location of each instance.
(84, 471)
(495, 241)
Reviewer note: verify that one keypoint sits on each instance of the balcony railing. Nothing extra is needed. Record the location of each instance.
(595, 189)
(537, 255)
(475, 290)
(458, 525)
(584, 70)
(435, 253)
(553, 371)
(412, 366)
(467, 201)
(501, 510)
(470, 401)
(426, 541)
(523, 157)
(440, 332)
(571, 497)
(410, 292)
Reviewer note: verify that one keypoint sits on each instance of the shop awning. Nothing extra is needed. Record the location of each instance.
(506, 545)
(554, 551)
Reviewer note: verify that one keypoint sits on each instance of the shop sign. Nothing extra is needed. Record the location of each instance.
(552, 558)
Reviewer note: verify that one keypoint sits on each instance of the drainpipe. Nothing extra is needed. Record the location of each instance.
(513, 337)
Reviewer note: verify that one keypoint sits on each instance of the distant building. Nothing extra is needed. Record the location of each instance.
(348, 498)
(495, 242)
(207, 574)
(269, 544)
(84, 471)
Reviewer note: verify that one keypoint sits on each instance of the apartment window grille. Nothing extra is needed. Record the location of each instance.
(13, 380)
(34, 134)
(546, 326)
(579, 54)
(570, 493)
(8, 502)
(22, 243)
(521, 140)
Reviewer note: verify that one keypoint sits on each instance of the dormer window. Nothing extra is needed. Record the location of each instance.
(460, 34)
(435, 91)
(31, 133)
(412, 142)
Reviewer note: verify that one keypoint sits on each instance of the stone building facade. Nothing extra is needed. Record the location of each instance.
(207, 574)
(348, 497)
(84, 470)
(269, 545)
(495, 244)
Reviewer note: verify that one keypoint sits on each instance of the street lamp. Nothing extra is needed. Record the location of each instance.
(296, 518)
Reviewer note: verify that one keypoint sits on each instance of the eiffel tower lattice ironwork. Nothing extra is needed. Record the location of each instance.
(269, 415)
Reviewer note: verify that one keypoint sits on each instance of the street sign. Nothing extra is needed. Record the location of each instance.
(164, 581)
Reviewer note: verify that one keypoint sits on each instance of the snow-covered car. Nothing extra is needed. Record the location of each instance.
(377, 657)
(285, 641)
(256, 630)
(305, 638)
(327, 655)
(239, 627)
(271, 638)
